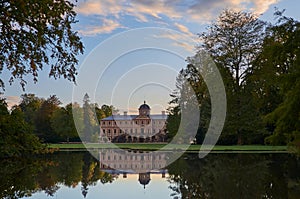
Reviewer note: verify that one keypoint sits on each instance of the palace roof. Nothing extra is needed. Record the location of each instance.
(132, 117)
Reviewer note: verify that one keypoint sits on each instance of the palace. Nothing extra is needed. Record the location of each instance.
(143, 127)
(132, 163)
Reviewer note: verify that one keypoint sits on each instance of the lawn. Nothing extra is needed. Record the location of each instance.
(153, 147)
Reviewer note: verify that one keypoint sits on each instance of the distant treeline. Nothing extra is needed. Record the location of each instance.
(37, 120)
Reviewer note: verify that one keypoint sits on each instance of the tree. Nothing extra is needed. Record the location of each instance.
(220, 176)
(104, 111)
(88, 119)
(183, 111)
(108, 110)
(30, 104)
(173, 121)
(43, 119)
(16, 134)
(35, 34)
(234, 42)
(278, 68)
(63, 124)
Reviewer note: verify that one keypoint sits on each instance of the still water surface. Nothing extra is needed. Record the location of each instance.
(78, 175)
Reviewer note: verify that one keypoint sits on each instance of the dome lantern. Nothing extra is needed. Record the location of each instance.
(144, 109)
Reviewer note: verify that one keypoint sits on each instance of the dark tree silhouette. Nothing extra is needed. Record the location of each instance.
(35, 34)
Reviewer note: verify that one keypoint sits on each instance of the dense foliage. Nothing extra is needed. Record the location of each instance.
(235, 176)
(259, 64)
(36, 34)
(16, 134)
(22, 177)
(37, 120)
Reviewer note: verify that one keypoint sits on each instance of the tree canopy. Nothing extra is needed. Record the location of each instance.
(36, 34)
(259, 64)
(278, 68)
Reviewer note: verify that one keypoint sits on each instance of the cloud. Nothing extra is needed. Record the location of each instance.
(179, 39)
(107, 26)
(100, 7)
(183, 29)
(204, 11)
(199, 11)
(113, 13)
(262, 6)
(12, 100)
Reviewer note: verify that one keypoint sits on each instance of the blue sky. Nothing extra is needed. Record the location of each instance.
(123, 66)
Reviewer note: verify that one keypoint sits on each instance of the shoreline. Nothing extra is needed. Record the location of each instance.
(171, 147)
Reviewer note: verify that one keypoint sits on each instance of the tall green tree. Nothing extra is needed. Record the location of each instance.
(43, 119)
(190, 78)
(181, 119)
(63, 124)
(35, 34)
(16, 134)
(30, 104)
(104, 110)
(108, 110)
(89, 121)
(234, 41)
(278, 70)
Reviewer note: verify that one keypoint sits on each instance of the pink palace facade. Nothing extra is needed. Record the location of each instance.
(143, 127)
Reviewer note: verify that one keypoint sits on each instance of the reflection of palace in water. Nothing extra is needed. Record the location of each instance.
(134, 128)
(119, 162)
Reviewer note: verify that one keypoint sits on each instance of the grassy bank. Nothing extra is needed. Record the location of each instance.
(151, 147)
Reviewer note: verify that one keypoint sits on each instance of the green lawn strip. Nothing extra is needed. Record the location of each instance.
(152, 146)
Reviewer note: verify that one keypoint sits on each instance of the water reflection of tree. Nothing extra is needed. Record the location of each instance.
(25, 176)
(17, 177)
(230, 176)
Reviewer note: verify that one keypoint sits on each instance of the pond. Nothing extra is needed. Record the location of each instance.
(77, 174)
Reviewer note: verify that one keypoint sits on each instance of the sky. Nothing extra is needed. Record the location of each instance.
(135, 49)
(158, 187)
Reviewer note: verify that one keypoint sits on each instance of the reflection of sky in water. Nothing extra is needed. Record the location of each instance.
(120, 188)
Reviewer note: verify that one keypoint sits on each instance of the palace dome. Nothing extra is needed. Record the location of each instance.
(144, 106)
(144, 179)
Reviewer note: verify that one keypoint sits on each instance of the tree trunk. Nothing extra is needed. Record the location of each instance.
(239, 137)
